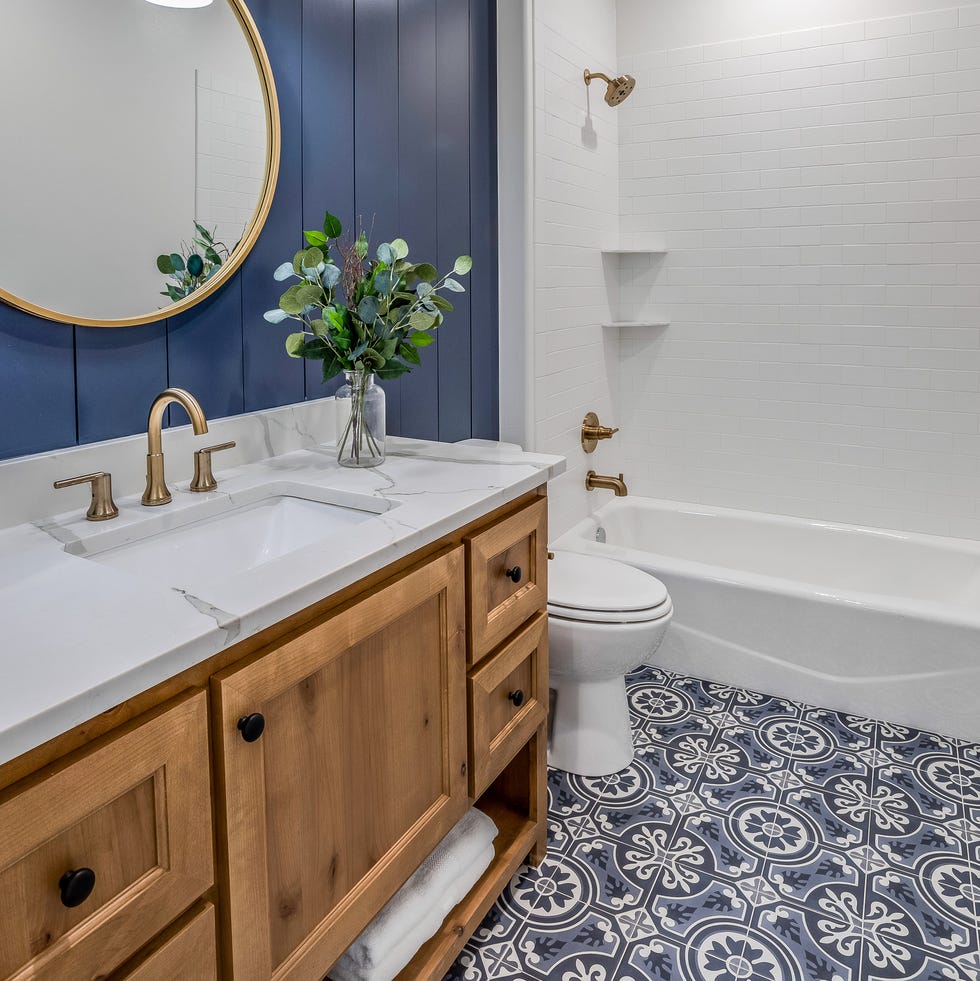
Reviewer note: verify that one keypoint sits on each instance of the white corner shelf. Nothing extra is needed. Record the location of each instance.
(634, 251)
(637, 323)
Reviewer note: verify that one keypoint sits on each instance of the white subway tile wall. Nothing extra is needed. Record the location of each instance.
(230, 171)
(577, 204)
(819, 195)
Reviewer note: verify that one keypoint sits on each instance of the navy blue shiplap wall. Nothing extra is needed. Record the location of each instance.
(387, 111)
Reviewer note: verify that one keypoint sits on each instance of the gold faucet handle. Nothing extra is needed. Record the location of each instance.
(103, 507)
(592, 432)
(203, 474)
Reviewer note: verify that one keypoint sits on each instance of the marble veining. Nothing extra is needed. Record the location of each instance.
(81, 637)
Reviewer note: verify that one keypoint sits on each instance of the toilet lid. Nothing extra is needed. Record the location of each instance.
(590, 584)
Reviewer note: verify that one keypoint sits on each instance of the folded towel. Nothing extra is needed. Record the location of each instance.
(419, 907)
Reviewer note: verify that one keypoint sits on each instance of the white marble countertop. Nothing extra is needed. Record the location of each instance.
(81, 637)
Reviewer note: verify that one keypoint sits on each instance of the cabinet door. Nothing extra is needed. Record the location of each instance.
(358, 773)
(98, 855)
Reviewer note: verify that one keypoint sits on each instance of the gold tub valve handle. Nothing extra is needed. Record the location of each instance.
(203, 474)
(102, 507)
(592, 432)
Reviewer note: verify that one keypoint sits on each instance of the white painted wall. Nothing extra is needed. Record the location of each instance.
(819, 192)
(576, 207)
(100, 160)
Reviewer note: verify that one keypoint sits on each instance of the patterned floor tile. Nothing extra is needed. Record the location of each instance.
(752, 839)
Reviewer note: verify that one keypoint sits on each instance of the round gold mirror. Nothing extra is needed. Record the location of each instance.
(141, 154)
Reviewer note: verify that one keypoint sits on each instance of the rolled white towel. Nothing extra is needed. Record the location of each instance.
(422, 902)
(394, 959)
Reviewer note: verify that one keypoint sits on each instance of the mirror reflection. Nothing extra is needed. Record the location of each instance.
(136, 152)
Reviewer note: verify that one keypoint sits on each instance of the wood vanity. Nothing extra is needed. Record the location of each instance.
(247, 818)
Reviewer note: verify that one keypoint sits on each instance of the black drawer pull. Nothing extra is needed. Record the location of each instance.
(76, 886)
(251, 726)
(514, 575)
(517, 697)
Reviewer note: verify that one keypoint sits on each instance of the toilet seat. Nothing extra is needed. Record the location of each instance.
(590, 589)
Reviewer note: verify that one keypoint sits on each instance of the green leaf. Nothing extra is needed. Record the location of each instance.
(195, 264)
(174, 293)
(204, 233)
(426, 272)
(361, 246)
(420, 320)
(295, 345)
(409, 354)
(316, 238)
(298, 262)
(392, 369)
(368, 309)
(165, 265)
(423, 290)
(283, 272)
(312, 259)
(275, 316)
(331, 368)
(331, 226)
(401, 247)
(385, 281)
(330, 276)
(454, 287)
(292, 301)
(421, 339)
(463, 265)
(441, 302)
(177, 261)
(386, 254)
(213, 255)
(311, 296)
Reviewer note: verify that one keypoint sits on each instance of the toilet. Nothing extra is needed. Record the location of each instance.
(605, 619)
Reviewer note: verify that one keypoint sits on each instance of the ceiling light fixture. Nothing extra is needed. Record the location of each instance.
(183, 4)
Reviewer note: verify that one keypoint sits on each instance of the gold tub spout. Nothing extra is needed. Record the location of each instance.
(157, 491)
(596, 481)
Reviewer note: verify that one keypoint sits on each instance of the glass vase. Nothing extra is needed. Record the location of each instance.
(360, 421)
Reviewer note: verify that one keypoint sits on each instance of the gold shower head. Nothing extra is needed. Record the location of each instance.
(617, 89)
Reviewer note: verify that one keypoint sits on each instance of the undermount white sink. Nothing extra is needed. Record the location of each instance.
(218, 539)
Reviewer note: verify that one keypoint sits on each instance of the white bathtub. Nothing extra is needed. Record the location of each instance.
(870, 622)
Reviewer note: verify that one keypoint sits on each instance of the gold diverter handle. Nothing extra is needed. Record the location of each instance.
(592, 432)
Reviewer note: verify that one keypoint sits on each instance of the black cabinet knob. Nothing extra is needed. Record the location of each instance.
(251, 726)
(517, 697)
(76, 886)
(514, 574)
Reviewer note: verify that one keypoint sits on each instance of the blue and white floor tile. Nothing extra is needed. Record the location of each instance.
(752, 839)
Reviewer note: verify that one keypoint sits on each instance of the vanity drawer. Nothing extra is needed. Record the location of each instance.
(508, 576)
(190, 953)
(135, 810)
(508, 699)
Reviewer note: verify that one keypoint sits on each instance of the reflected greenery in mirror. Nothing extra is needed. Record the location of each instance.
(135, 128)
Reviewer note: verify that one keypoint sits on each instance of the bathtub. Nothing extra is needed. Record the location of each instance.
(874, 623)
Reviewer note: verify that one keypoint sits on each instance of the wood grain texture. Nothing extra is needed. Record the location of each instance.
(498, 728)
(360, 773)
(498, 606)
(188, 953)
(136, 808)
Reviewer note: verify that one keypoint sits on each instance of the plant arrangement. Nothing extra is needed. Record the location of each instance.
(362, 316)
(194, 265)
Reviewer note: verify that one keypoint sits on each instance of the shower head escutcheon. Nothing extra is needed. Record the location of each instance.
(617, 89)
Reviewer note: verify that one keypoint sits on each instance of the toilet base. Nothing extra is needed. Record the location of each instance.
(591, 726)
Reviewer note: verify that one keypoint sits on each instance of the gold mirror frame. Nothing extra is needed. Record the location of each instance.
(248, 240)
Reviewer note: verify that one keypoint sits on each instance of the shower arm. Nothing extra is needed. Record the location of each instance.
(590, 75)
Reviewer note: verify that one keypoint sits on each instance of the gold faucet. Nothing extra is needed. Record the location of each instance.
(156, 486)
(595, 481)
(592, 432)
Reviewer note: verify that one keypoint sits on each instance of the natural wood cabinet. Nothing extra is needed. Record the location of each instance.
(344, 744)
(359, 772)
(135, 809)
